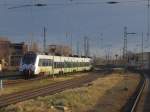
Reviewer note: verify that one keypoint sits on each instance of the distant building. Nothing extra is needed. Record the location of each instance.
(140, 60)
(18, 48)
(33, 47)
(4, 48)
(16, 51)
(59, 50)
(11, 53)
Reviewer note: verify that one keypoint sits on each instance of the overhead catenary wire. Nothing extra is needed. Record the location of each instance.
(72, 2)
(69, 3)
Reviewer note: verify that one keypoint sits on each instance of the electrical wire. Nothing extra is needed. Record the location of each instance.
(69, 3)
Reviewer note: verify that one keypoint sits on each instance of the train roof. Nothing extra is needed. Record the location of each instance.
(64, 56)
(45, 55)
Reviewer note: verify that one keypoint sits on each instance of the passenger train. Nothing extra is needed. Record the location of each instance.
(35, 64)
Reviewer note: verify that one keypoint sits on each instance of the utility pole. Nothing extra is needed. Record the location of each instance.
(125, 44)
(69, 35)
(125, 50)
(44, 40)
(31, 41)
(71, 44)
(142, 50)
(77, 47)
(101, 41)
(148, 17)
(85, 52)
(86, 46)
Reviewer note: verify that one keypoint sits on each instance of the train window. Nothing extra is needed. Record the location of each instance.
(49, 62)
(70, 64)
(76, 64)
(61, 64)
(73, 64)
(40, 62)
(86, 63)
(80, 64)
(55, 64)
(66, 64)
(45, 62)
(29, 58)
(58, 64)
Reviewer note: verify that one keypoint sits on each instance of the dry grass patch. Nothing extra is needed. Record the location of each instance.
(102, 95)
(31, 85)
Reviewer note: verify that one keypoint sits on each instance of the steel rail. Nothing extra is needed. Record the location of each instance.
(49, 89)
(43, 87)
(39, 93)
(14, 82)
(132, 103)
(139, 95)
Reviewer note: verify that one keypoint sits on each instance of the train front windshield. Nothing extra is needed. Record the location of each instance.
(29, 59)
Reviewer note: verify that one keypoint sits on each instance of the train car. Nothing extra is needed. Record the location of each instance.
(38, 64)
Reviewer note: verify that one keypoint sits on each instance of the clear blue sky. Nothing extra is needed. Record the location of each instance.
(96, 20)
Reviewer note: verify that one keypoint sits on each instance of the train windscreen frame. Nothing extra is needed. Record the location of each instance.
(29, 58)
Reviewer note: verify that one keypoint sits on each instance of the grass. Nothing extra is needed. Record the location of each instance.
(102, 95)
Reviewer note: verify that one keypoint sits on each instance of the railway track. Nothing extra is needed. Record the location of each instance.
(46, 90)
(133, 101)
(144, 102)
(14, 82)
(18, 81)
